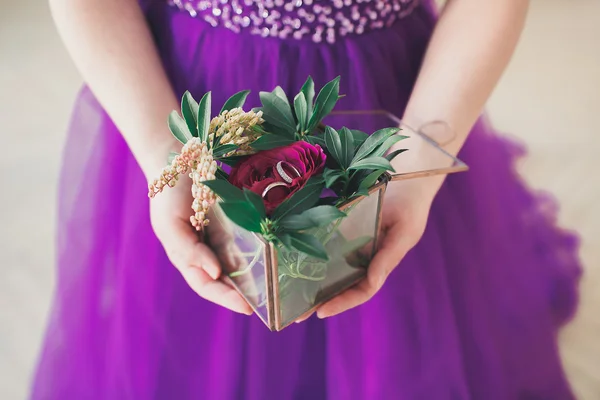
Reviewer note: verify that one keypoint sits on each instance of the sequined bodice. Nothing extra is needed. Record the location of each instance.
(316, 20)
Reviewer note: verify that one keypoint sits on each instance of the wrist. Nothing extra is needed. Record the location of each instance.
(153, 156)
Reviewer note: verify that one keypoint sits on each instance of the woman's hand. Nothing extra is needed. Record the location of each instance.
(405, 212)
(170, 216)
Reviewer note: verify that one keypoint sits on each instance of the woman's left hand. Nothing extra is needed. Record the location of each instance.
(405, 213)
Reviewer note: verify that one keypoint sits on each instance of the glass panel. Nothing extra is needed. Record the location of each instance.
(305, 282)
(243, 259)
(425, 156)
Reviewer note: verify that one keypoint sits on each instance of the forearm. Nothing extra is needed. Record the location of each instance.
(470, 48)
(112, 47)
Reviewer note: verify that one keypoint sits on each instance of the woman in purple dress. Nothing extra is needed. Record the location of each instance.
(484, 278)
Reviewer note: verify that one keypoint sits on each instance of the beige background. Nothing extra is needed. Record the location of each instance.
(549, 98)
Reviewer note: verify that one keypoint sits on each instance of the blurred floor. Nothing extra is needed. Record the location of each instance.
(549, 98)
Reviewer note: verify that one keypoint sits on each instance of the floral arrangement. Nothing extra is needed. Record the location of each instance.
(276, 170)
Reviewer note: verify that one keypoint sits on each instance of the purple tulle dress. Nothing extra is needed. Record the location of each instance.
(471, 313)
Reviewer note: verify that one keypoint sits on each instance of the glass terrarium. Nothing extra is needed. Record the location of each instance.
(282, 285)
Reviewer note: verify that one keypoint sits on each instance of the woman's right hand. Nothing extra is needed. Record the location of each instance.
(170, 216)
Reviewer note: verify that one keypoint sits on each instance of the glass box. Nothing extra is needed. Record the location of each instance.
(282, 285)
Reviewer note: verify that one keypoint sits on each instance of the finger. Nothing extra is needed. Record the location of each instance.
(304, 317)
(186, 249)
(201, 269)
(392, 250)
(215, 291)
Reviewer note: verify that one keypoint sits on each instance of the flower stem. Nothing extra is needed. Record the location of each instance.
(249, 267)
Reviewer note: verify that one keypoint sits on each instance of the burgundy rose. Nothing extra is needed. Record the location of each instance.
(278, 173)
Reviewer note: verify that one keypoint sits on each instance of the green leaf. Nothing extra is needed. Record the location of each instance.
(373, 142)
(331, 176)
(301, 110)
(359, 137)
(325, 102)
(220, 174)
(256, 201)
(394, 153)
(204, 117)
(224, 149)
(285, 239)
(308, 89)
(312, 139)
(225, 190)
(312, 218)
(171, 157)
(271, 141)
(179, 128)
(308, 244)
(189, 110)
(243, 214)
(235, 101)
(278, 91)
(389, 142)
(278, 112)
(231, 160)
(334, 145)
(372, 163)
(371, 179)
(302, 200)
(347, 146)
(360, 192)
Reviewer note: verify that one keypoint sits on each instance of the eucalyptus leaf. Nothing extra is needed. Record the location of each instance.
(300, 108)
(300, 201)
(243, 214)
(308, 89)
(178, 128)
(372, 163)
(278, 112)
(325, 102)
(347, 146)
(189, 110)
(373, 142)
(235, 101)
(315, 217)
(309, 245)
(225, 190)
(204, 117)
(270, 141)
(224, 149)
(256, 201)
(334, 145)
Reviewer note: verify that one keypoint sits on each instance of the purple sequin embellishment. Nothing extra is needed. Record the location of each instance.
(318, 20)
